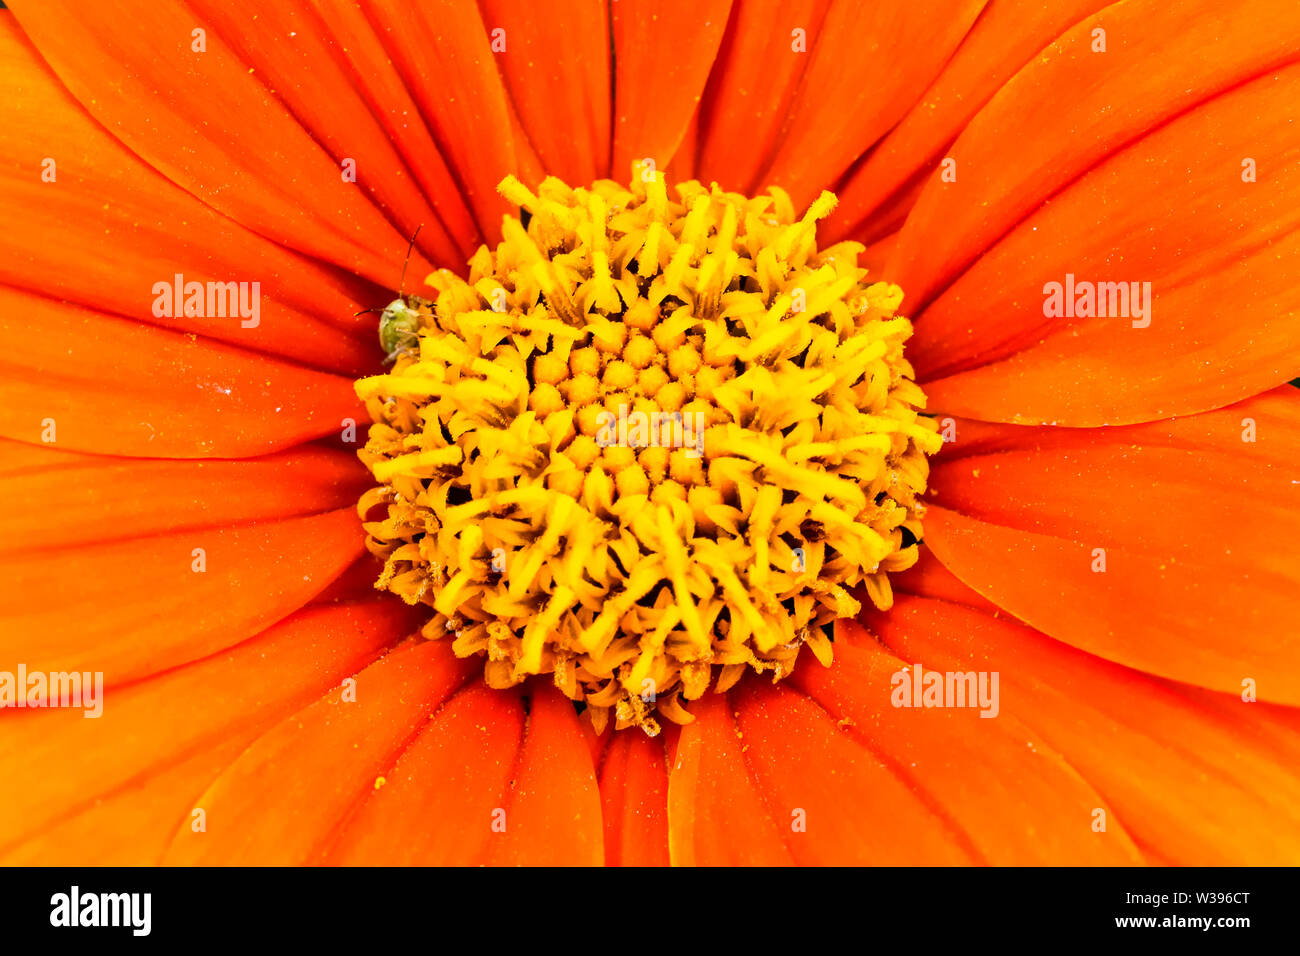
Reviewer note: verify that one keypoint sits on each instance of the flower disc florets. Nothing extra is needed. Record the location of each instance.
(648, 444)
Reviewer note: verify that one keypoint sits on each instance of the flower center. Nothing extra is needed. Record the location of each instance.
(648, 444)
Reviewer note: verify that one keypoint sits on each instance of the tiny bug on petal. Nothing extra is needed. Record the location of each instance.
(399, 327)
(399, 321)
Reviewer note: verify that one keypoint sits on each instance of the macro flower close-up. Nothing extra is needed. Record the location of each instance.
(635, 433)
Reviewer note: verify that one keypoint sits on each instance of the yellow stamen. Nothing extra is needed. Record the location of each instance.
(647, 444)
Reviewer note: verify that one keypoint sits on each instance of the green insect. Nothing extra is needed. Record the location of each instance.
(399, 327)
(399, 321)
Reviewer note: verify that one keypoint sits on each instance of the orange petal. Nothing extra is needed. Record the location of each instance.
(442, 51)
(92, 499)
(384, 87)
(553, 814)
(929, 577)
(1220, 257)
(682, 168)
(114, 789)
(753, 83)
(135, 608)
(18, 459)
(441, 797)
(1007, 34)
(323, 62)
(355, 583)
(836, 800)
(717, 814)
(108, 227)
(209, 123)
(662, 57)
(283, 797)
(556, 69)
(874, 256)
(1011, 799)
(867, 65)
(1070, 108)
(1194, 526)
(1187, 782)
(163, 395)
(634, 800)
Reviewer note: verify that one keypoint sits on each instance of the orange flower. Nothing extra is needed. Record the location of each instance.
(1109, 534)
